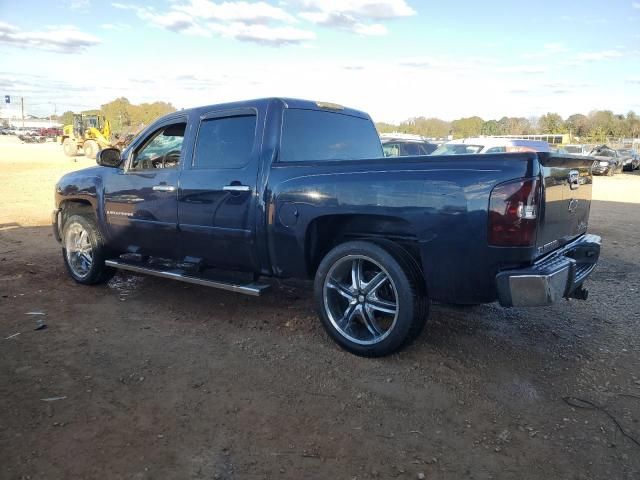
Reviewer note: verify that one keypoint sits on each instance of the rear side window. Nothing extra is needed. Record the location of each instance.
(497, 150)
(225, 142)
(313, 135)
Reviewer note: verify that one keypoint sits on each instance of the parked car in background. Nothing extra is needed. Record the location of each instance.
(577, 149)
(630, 159)
(404, 145)
(483, 145)
(608, 162)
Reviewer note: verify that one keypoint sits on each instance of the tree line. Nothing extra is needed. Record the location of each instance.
(123, 115)
(597, 126)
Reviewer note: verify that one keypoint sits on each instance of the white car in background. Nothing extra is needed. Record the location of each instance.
(465, 146)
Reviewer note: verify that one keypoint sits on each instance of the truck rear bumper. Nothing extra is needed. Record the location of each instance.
(558, 275)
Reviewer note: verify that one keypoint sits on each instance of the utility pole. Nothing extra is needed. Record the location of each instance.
(22, 109)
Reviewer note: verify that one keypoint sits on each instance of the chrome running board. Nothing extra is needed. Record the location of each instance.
(253, 289)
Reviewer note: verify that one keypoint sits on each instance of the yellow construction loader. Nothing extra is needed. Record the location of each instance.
(88, 132)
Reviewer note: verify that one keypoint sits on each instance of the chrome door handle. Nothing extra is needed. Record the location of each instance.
(236, 188)
(164, 188)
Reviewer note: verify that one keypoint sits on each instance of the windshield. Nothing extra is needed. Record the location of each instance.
(457, 149)
(571, 149)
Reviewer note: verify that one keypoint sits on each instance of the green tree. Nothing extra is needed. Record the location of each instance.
(578, 124)
(383, 127)
(67, 118)
(467, 127)
(427, 127)
(146, 113)
(118, 112)
(633, 124)
(491, 127)
(551, 123)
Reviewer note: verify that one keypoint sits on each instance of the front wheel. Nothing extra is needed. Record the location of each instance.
(84, 251)
(370, 298)
(69, 147)
(90, 149)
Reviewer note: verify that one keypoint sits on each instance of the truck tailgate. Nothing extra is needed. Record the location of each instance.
(566, 200)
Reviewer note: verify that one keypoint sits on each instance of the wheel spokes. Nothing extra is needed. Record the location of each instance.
(340, 288)
(384, 306)
(375, 283)
(356, 274)
(347, 317)
(361, 299)
(370, 322)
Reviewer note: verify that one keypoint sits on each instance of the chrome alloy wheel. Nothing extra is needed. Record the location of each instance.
(78, 248)
(360, 299)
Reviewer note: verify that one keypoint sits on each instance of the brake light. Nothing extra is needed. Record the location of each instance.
(513, 213)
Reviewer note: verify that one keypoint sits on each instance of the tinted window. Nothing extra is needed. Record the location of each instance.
(309, 135)
(457, 149)
(412, 149)
(161, 149)
(496, 150)
(225, 142)
(428, 148)
(391, 150)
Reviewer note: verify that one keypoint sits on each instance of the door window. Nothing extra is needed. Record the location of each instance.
(161, 150)
(225, 142)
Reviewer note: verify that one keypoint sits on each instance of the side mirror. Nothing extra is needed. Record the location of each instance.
(109, 157)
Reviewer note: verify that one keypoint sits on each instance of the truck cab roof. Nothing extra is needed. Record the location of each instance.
(285, 102)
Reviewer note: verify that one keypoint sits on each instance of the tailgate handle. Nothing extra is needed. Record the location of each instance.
(574, 179)
(236, 188)
(164, 188)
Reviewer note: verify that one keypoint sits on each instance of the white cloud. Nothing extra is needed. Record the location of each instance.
(79, 4)
(62, 39)
(354, 15)
(243, 21)
(524, 69)
(245, 12)
(362, 9)
(263, 34)
(118, 27)
(598, 56)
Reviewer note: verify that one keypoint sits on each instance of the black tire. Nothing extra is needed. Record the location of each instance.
(90, 149)
(370, 331)
(70, 147)
(81, 270)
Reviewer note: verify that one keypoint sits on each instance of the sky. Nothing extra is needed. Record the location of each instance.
(394, 59)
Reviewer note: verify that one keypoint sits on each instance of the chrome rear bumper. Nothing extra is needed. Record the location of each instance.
(558, 275)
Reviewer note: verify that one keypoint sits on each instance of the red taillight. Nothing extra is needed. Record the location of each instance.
(513, 213)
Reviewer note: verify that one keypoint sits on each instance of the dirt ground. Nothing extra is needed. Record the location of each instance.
(148, 378)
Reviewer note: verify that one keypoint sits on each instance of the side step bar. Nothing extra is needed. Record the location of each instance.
(253, 289)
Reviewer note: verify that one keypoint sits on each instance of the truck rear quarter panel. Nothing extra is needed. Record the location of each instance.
(440, 204)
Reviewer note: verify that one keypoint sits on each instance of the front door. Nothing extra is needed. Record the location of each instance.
(141, 200)
(217, 196)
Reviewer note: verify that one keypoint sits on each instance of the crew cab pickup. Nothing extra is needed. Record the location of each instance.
(226, 194)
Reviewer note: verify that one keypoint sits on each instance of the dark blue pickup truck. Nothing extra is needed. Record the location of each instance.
(225, 194)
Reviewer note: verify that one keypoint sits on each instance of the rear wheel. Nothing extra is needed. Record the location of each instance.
(84, 251)
(90, 149)
(369, 298)
(70, 147)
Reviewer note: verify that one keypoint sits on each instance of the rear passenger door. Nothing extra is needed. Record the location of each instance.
(217, 194)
